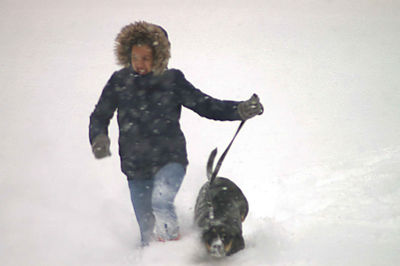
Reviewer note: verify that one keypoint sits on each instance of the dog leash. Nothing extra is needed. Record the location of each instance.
(219, 163)
(221, 159)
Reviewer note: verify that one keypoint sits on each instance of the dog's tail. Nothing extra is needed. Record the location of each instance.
(210, 164)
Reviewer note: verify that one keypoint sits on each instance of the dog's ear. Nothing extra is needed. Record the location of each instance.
(210, 163)
(237, 244)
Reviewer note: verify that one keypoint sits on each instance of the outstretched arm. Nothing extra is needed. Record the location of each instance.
(204, 104)
(212, 108)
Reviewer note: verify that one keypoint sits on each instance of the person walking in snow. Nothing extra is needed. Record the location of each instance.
(148, 98)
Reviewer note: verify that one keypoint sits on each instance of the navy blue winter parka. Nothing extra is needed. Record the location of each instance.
(148, 112)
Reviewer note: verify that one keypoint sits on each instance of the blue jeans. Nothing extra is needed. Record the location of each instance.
(153, 202)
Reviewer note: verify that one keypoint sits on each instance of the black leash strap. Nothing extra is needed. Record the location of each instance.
(221, 159)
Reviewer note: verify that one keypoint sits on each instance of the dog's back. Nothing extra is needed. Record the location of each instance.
(226, 199)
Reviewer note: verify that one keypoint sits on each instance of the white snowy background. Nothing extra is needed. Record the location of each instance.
(320, 168)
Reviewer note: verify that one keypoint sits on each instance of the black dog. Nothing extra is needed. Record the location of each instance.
(220, 209)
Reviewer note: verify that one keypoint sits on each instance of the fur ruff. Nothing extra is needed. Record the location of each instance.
(139, 30)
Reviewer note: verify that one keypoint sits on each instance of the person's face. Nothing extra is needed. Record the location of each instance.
(142, 59)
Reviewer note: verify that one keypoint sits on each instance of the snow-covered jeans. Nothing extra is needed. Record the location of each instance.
(153, 202)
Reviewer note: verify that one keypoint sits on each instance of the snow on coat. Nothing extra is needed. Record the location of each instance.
(148, 112)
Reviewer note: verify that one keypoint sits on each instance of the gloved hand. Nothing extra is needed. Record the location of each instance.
(101, 146)
(250, 108)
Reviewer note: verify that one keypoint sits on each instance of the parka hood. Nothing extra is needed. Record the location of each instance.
(134, 32)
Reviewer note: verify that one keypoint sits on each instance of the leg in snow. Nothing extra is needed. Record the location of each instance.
(141, 191)
(167, 182)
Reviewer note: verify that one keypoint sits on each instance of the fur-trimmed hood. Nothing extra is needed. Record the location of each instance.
(129, 36)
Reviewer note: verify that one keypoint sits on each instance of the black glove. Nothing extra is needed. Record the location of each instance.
(250, 108)
(101, 146)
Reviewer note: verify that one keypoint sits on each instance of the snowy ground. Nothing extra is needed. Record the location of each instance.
(321, 167)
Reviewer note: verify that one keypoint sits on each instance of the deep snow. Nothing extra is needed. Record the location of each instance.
(320, 168)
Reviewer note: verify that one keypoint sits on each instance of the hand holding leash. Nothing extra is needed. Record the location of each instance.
(250, 108)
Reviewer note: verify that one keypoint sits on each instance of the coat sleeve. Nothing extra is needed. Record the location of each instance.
(203, 104)
(104, 110)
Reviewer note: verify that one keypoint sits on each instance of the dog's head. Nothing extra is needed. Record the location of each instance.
(222, 240)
